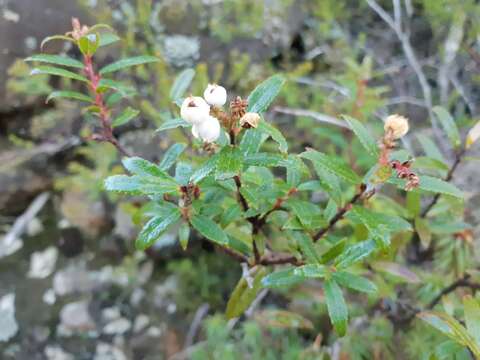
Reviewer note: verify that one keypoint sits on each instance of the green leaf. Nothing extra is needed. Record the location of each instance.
(333, 165)
(305, 211)
(142, 167)
(108, 39)
(431, 150)
(451, 328)
(448, 125)
(88, 44)
(296, 168)
(355, 253)
(209, 229)
(181, 84)
(184, 235)
(311, 271)
(264, 94)
(435, 185)
(229, 163)
(126, 115)
(56, 37)
(50, 70)
(251, 141)
(337, 308)
(275, 134)
(57, 60)
(354, 282)
(125, 63)
(172, 124)
(472, 317)
(307, 248)
(69, 95)
(281, 278)
(263, 159)
(155, 228)
(243, 295)
(171, 155)
(124, 89)
(333, 252)
(363, 135)
(205, 170)
(140, 185)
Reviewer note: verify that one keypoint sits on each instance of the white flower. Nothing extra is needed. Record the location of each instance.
(194, 110)
(397, 125)
(208, 130)
(215, 95)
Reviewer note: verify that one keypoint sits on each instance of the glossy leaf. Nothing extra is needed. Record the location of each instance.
(251, 141)
(229, 163)
(125, 63)
(337, 308)
(127, 115)
(142, 167)
(50, 70)
(263, 159)
(172, 124)
(72, 95)
(155, 228)
(275, 134)
(435, 185)
(209, 229)
(354, 282)
(171, 155)
(333, 165)
(307, 248)
(355, 253)
(205, 170)
(140, 185)
(88, 44)
(363, 135)
(181, 84)
(264, 94)
(448, 125)
(472, 317)
(311, 271)
(56, 60)
(124, 89)
(281, 278)
(108, 38)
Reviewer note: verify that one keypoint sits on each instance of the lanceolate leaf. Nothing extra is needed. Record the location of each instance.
(264, 94)
(276, 135)
(108, 39)
(155, 228)
(73, 95)
(354, 282)
(125, 63)
(184, 235)
(140, 185)
(435, 185)
(243, 295)
(142, 167)
(252, 140)
(209, 229)
(50, 70)
(332, 165)
(181, 84)
(307, 248)
(127, 115)
(397, 270)
(472, 317)
(172, 124)
(55, 37)
(311, 271)
(124, 89)
(263, 159)
(57, 60)
(337, 308)
(229, 163)
(355, 253)
(171, 155)
(205, 170)
(280, 278)
(448, 125)
(363, 135)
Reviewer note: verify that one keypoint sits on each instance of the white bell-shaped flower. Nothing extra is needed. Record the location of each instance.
(208, 130)
(194, 110)
(215, 95)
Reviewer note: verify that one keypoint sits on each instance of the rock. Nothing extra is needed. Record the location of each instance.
(75, 317)
(140, 323)
(74, 279)
(111, 313)
(42, 263)
(71, 241)
(49, 297)
(106, 351)
(117, 327)
(8, 324)
(57, 353)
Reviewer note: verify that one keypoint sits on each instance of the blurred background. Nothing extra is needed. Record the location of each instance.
(71, 284)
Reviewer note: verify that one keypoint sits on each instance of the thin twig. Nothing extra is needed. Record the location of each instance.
(462, 282)
(201, 312)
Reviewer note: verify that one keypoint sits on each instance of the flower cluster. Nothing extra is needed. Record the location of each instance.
(196, 111)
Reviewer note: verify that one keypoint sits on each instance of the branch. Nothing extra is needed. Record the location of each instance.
(462, 282)
(340, 213)
(312, 114)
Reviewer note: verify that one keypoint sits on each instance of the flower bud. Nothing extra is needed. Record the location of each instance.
(250, 120)
(194, 110)
(215, 95)
(208, 130)
(396, 125)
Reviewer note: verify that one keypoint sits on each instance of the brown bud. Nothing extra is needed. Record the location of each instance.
(250, 120)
